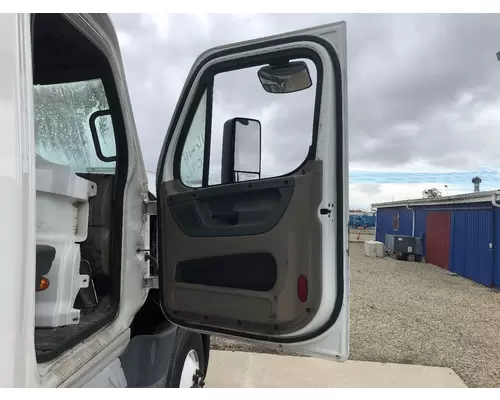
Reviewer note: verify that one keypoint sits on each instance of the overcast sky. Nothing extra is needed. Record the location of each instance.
(423, 93)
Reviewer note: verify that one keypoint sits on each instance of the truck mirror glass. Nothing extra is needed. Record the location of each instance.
(241, 150)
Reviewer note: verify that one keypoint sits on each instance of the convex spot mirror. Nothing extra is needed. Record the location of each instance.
(241, 150)
(285, 78)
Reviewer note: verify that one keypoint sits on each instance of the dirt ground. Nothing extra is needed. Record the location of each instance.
(361, 234)
(416, 313)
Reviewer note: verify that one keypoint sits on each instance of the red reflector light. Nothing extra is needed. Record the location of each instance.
(302, 288)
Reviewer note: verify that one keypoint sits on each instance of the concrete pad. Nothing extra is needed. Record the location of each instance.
(229, 369)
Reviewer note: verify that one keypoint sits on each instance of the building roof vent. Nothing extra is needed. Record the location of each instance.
(476, 181)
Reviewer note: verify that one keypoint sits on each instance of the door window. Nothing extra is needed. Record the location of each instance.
(283, 142)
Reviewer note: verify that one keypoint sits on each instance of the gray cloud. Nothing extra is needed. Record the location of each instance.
(421, 87)
(369, 188)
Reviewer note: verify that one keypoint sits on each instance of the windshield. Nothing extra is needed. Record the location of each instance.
(62, 129)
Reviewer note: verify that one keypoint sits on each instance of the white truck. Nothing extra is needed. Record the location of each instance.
(106, 284)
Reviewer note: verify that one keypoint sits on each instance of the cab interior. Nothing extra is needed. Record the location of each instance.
(63, 59)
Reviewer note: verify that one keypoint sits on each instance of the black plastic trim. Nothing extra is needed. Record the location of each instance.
(208, 132)
(227, 157)
(140, 368)
(339, 164)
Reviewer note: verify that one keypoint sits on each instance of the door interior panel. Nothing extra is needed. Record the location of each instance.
(247, 208)
(247, 276)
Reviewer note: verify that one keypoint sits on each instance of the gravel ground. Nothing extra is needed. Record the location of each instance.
(415, 313)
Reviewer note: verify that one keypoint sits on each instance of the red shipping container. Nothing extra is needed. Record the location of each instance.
(437, 238)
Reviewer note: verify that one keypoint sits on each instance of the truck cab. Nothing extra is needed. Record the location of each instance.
(114, 284)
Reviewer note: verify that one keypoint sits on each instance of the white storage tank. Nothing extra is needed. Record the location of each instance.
(374, 248)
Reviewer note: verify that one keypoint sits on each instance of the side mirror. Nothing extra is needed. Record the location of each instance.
(241, 150)
(101, 127)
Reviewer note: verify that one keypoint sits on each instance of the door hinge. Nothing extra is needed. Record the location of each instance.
(151, 282)
(149, 205)
(151, 276)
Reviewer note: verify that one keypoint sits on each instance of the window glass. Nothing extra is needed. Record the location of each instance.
(193, 152)
(284, 141)
(267, 141)
(395, 221)
(62, 125)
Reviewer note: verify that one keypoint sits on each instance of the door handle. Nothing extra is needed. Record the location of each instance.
(229, 216)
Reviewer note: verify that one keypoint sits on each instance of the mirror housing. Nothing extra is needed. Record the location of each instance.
(285, 78)
(103, 117)
(241, 150)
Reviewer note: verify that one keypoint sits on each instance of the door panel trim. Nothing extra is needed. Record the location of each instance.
(242, 209)
(296, 246)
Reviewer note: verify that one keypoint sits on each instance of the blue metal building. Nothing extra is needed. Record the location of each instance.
(361, 220)
(459, 233)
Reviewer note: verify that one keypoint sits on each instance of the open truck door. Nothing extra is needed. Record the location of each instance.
(265, 259)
